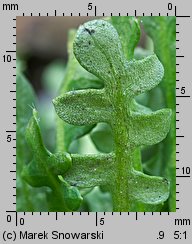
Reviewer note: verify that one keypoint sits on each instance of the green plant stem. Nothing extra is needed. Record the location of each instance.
(123, 153)
(56, 199)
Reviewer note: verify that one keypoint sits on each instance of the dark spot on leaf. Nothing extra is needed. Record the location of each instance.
(89, 43)
(90, 31)
(165, 181)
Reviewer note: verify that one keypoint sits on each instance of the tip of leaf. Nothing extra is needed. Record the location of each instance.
(36, 115)
(149, 189)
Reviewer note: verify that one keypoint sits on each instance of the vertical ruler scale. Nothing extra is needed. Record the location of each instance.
(10, 60)
(183, 100)
(106, 227)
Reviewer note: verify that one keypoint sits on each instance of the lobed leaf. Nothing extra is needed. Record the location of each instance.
(98, 49)
(143, 75)
(44, 169)
(45, 166)
(150, 128)
(90, 170)
(148, 189)
(76, 78)
(84, 107)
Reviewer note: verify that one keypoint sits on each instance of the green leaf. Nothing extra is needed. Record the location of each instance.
(138, 108)
(148, 189)
(99, 201)
(102, 137)
(149, 129)
(141, 53)
(162, 30)
(45, 166)
(76, 78)
(20, 65)
(64, 198)
(53, 76)
(44, 169)
(98, 49)
(129, 33)
(72, 198)
(152, 164)
(90, 170)
(144, 74)
(99, 39)
(25, 98)
(72, 133)
(83, 107)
